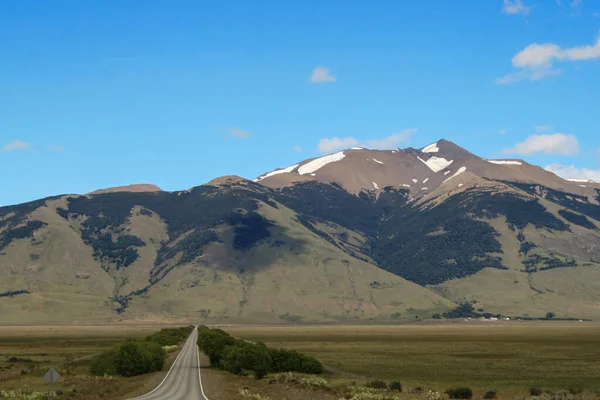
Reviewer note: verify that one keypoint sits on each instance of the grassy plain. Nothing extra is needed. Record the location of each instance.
(26, 353)
(507, 356)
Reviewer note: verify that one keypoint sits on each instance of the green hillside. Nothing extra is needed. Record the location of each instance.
(241, 252)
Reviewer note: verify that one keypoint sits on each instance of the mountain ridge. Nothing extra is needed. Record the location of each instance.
(354, 242)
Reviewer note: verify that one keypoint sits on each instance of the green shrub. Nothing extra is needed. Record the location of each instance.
(491, 394)
(105, 363)
(535, 391)
(395, 386)
(137, 358)
(377, 384)
(575, 390)
(460, 393)
(247, 357)
(170, 336)
(214, 343)
(311, 365)
(285, 360)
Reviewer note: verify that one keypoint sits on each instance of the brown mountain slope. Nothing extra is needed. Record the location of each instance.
(421, 171)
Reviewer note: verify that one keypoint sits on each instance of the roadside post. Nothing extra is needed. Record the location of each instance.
(52, 377)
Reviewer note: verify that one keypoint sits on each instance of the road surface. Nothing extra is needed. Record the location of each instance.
(183, 380)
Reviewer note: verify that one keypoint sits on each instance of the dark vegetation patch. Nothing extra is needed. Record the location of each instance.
(309, 223)
(241, 357)
(460, 393)
(399, 235)
(63, 212)
(21, 232)
(577, 219)
(465, 310)
(407, 248)
(249, 228)
(536, 262)
(526, 247)
(13, 216)
(14, 293)
(330, 202)
(571, 201)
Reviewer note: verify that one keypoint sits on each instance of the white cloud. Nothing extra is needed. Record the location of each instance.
(596, 15)
(321, 75)
(56, 148)
(17, 145)
(504, 131)
(239, 133)
(536, 61)
(572, 172)
(543, 128)
(555, 143)
(298, 148)
(515, 7)
(328, 145)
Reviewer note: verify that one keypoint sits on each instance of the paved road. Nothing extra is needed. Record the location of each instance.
(183, 380)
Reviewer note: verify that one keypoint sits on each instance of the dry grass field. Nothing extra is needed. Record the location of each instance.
(509, 357)
(26, 353)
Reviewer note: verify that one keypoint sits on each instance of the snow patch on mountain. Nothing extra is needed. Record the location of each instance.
(375, 185)
(425, 181)
(432, 148)
(277, 171)
(505, 162)
(582, 180)
(436, 164)
(356, 148)
(460, 171)
(415, 180)
(405, 185)
(377, 161)
(447, 172)
(320, 162)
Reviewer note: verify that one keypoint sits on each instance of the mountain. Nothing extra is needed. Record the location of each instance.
(144, 187)
(356, 235)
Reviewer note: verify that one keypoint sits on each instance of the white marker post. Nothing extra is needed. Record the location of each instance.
(52, 377)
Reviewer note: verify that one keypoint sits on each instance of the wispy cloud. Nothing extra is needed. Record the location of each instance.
(504, 131)
(17, 145)
(573, 172)
(536, 61)
(298, 148)
(327, 145)
(515, 7)
(321, 75)
(596, 15)
(239, 133)
(56, 148)
(555, 143)
(543, 128)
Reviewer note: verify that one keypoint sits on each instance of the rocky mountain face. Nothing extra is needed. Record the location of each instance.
(357, 235)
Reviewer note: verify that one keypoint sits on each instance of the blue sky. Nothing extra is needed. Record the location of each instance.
(175, 93)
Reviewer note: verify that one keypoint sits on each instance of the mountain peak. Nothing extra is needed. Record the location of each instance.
(140, 187)
(227, 180)
(446, 148)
